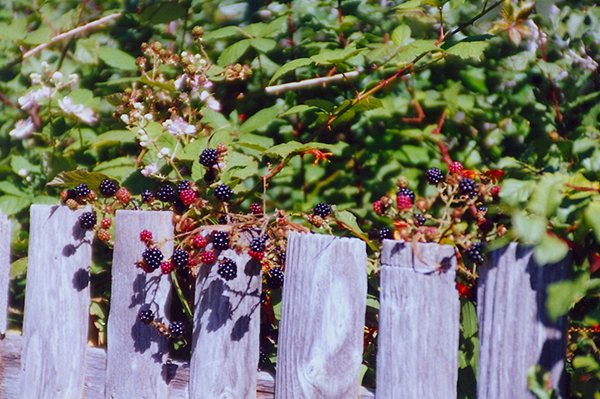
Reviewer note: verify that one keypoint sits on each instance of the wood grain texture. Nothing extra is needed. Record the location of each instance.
(136, 353)
(322, 318)
(57, 301)
(514, 330)
(418, 322)
(11, 348)
(5, 231)
(225, 343)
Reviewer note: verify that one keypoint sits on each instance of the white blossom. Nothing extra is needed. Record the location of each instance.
(23, 129)
(36, 79)
(179, 127)
(81, 111)
(57, 77)
(164, 152)
(211, 102)
(125, 118)
(150, 170)
(30, 98)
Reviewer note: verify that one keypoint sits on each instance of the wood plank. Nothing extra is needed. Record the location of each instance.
(57, 301)
(225, 343)
(136, 353)
(418, 322)
(11, 348)
(5, 235)
(322, 318)
(514, 330)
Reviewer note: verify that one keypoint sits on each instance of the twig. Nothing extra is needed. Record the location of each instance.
(303, 84)
(72, 33)
(475, 18)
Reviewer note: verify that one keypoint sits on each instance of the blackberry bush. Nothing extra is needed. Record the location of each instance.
(227, 269)
(152, 258)
(220, 240)
(274, 278)
(322, 209)
(258, 244)
(434, 176)
(147, 197)
(176, 329)
(467, 186)
(180, 258)
(107, 188)
(87, 220)
(223, 192)
(82, 190)
(146, 316)
(209, 157)
(165, 193)
(385, 234)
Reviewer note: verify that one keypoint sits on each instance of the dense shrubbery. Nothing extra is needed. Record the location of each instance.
(509, 89)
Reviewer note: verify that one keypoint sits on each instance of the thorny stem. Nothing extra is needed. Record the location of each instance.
(483, 12)
(186, 306)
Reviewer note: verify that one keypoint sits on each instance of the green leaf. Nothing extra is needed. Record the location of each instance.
(120, 136)
(274, 27)
(18, 268)
(254, 142)
(538, 379)
(289, 67)
(116, 58)
(382, 51)
(222, 33)
(11, 205)
(117, 168)
(296, 109)
(41, 35)
(401, 35)
(163, 13)
(469, 319)
(465, 50)
(293, 147)
(368, 104)
(349, 222)
(336, 56)
(260, 120)
(17, 163)
(531, 228)
(233, 53)
(550, 250)
(592, 217)
(161, 85)
(214, 118)
(264, 45)
(547, 195)
(414, 49)
(515, 192)
(239, 167)
(562, 294)
(10, 188)
(76, 177)
(409, 4)
(323, 104)
(16, 31)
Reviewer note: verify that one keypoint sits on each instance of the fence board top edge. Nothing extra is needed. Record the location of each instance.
(326, 238)
(400, 254)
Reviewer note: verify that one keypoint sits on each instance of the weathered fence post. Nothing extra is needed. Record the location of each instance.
(55, 325)
(417, 355)
(515, 332)
(322, 317)
(225, 345)
(4, 270)
(136, 353)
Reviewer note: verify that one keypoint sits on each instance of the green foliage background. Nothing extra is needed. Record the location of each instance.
(517, 89)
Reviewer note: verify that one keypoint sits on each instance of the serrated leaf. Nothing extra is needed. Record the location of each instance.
(291, 66)
(465, 50)
(161, 85)
(274, 27)
(239, 167)
(76, 177)
(592, 217)
(214, 118)
(550, 250)
(401, 35)
(260, 120)
(41, 35)
(367, 104)
(349, 220)
(336, 56)
(414, 49)
(254, 29)
(325, 105)
(254, 142)
(117, 168)
(547, 195)
(10, 188)
(515, 192)
(11, 205)
(382, 51)
(116, 58)
(121, 136)
(562, 294)
(163, 13)
(233, 53)
(297, 109)
(18, 268)
(409, 4)
(531, 228)
(222, 33)
(16, 31)
(262, 44)
(18, 163)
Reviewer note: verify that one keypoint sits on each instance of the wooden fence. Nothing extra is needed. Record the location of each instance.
(321, 330)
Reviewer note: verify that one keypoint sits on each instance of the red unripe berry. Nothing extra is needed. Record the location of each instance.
(222, 147)
(255, 208)
(455, 167)
(103, 235)
(106, 223)
(199, 241)
(495, 190)
(404, 202)
(378, 207)
(258, 255)
(208, 257)
(167, 267)
(123, 195)
(145, 236)
(187, 196)
(192, 262)
(463, 290)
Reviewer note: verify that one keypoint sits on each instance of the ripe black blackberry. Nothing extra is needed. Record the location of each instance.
(280, 256)
(107, 188)
(258, 244)
(209, 176)
(147, 197)
(146, 316)
(220, 240)
(274, 278)
(87, 220)
(482, 209)
(473, 253)
(165, 193)
(406, 192)
(385, 234)
(209, 157)
(227, 269)
(180, 258)
(467, 186)
(224, 219)
(223, 192)
(419, 219)
(183, 185)
(322, 209)
(373, 234)
(176, 329)
(153, 258)
(434, 176)
(178, 205)
(82, 190)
